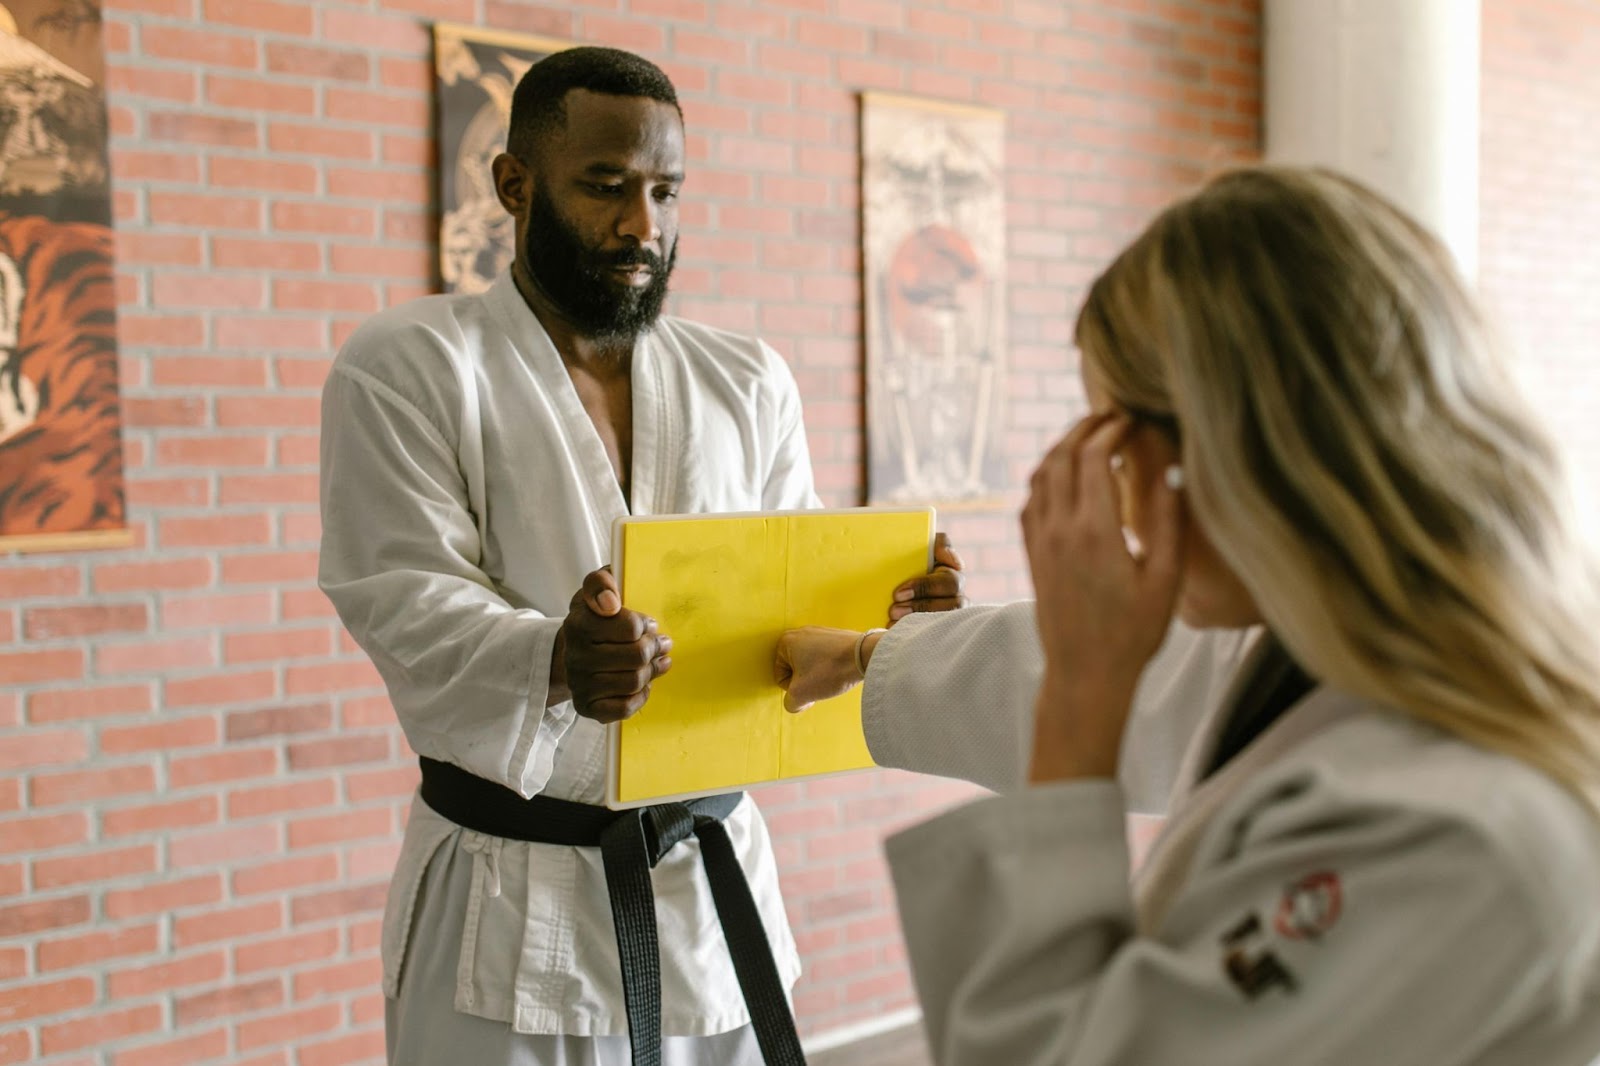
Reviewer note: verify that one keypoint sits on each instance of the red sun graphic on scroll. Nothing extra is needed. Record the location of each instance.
(934, 269)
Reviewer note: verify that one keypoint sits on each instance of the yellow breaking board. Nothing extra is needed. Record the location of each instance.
(725, 588)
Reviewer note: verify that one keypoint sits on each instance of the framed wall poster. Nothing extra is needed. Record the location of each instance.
(933, 233)
(475, 72)
(61, 472)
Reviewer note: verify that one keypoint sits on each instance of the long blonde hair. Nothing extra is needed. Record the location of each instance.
(1358, 452)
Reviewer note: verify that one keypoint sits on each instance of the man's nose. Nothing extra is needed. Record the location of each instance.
(640, 219)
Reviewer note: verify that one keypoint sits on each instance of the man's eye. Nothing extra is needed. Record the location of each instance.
(666, 196)
(605, 190)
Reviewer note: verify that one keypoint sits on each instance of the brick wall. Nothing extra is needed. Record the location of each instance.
(1540, 244)
(201, 784)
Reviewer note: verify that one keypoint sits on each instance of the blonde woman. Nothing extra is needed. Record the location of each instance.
(1376, 715)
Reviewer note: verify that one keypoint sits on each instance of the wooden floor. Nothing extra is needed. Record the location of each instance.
(902, 1047)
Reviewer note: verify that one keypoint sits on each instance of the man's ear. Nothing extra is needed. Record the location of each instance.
(513, 183)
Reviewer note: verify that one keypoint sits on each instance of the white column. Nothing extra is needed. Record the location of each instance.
(1387, 92)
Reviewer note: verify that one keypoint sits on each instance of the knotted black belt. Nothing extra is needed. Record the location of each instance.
(631, 843)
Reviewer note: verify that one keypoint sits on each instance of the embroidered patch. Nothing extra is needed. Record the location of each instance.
(1310, 906)
(1250, 964)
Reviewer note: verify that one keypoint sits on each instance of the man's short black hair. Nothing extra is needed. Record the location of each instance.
(539, 102)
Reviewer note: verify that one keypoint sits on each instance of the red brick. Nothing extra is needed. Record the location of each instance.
(221, 846)
(297, 450)
(189, 1049)
(155, 656)
(332, 677)
(77, 703)
(339, 903)
(409, 151)
(34, 667)
(223, 292)
(334, 220)
(17, 1045)
(409, 111)
(231, 253)
(372, 860)
(268, 15)
(177, 86)
(717, 49)
(277, 333)
(13, 880)
(282, 953)
(146, 492)
(269, 489)
(99, 866)
(23, 835)
(271, 412)
(20, 918)
(344, 977)
(160, 331)
(626, 33)
(216, 689)
(338, 751)
(198, 46)
(13, 963)
(208, 370)
(398, 34)
(215, 531)
(279, 721)
(222, 767)
(25, 582)
(228, 924)
(211, 451)
(164, 411)
(190, 128)
(42, 999)
(289, 1026)
(299, 872)
(364, 712)
(339, 828)
(163, 897)
(202, 810)
(228, 1002)
(381, 784)
(207, 212)
(98, 1029)
(395, 72)
(320, 141)
(28, 751)
(307, 61)
(303, 374)
(279, 799)
(141, 577)
(323, 295)
(53, 790)
(357, 1047)
(158, 249)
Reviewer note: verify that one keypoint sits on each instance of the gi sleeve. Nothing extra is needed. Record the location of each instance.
(952, 694)
(789, 485)
(1337, 935)
(468, 674)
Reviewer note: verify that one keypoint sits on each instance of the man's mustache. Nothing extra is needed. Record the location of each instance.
(634, 257)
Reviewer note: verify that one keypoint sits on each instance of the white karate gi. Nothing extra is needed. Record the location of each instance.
(457, 524)
(1353, 888)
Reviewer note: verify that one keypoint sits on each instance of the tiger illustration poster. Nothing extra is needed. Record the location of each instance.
(933, 234)
(61, 471)
(474, 74)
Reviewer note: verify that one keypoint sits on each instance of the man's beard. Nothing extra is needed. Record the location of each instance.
(581, 283)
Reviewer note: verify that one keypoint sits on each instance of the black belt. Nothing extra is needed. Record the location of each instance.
(631, 843)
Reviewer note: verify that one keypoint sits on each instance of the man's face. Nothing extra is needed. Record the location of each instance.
(599, 227)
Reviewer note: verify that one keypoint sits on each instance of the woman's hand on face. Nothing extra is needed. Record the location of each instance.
(815, 663)
(1102, 612)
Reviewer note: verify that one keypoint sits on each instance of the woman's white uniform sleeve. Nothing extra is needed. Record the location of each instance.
(952, 694)
(467, 672)
(1329, 937)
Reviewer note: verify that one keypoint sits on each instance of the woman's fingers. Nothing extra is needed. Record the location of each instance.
(1097, 498)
